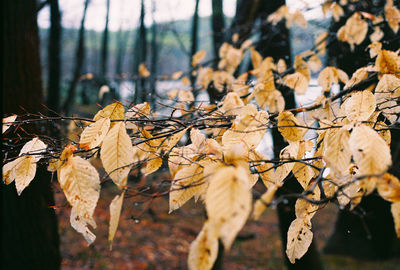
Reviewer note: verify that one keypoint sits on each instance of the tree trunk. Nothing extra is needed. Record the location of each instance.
(122, 39)
(193, 50)
(154, 56)
(369, 235)
(218, 26)
(29, 237)
(79, 58)
(54, 58)
(140, 57)
(104, 48)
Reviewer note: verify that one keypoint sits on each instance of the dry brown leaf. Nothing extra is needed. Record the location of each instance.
(93, 135)
(203, 250)
(299, 238)
(115, 212)
(370, 151)
(116, 153)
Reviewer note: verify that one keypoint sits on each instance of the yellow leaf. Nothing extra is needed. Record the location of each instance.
(299, 18)
(389, 187)
(81, 185)
(299, 238)
(354, 31)
(143, 71)
(359, 106)
(249, 129)
(185, 81)
(228, 202)
(287, 126)
(337, 11)
(93, 135)
(152, 165)
(34, 147)
(374, 48)
(337, 153)
(9, 170)
(116, 153)
(395, 208)
(377, 35)
(314, 63)
(185, 96)
(187, 182)
(115, 212)
(203, 250)
(298, 82)
(392, 14)
(256, 58)
(290, 152)
(113, 111)
(176, 75)
(25, 171)
(198, 57)
(370, 151)
(9, 120)
(388, 62)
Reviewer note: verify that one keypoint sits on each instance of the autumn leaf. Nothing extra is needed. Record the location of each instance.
(113, 111)
(395, 209)
(115, 212)
(198, 57)
(288, 126)
(389, 187)
(93, 135)
(81, 185)
(359, 106)
(116, 153)
(299, 238)
(354, 31)
(187, 182)
(388, 62)
(337, 153)
(298, 82)
(370, 152)
(143, 71)
(228, 202)
(9, 120)
(203, 250)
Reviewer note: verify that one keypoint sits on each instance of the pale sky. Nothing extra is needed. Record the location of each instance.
(127, 12)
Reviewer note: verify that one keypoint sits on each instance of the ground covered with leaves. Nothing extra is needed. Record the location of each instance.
(150, 238)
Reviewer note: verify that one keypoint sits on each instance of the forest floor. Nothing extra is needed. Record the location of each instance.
(150, 238)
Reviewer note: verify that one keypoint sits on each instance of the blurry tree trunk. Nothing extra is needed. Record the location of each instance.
(369, 234)
(122, 38)
(246, 15)
(193, 50)
(154, 55)
(29, 237)
(54, 58)
(79, 59)
(140, 56)
(218, 27)
(104, 48)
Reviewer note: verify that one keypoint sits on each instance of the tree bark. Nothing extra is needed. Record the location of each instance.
(79, 59)
(140, 57)
(218, 26)
(154, 56)
(194, 37)
(54, 58)
(29, 237)
(104, 48)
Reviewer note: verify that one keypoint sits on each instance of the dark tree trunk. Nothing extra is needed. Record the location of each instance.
(154, 56)
(246, 15)
(122, 39)
(218, 28)
(104, 48)
(79, 59)
(140, 57)
(54, 58)
(29, 237)
(367, 232)
(193, 50)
